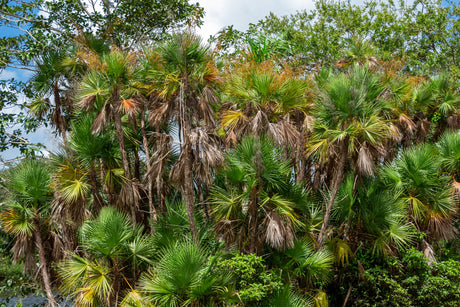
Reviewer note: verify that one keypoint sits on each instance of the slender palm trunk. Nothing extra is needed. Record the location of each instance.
(137, 166)
(159, 176)
(43, 264)
(98, 202)
(338, 178)
(152, 210)
(253, 222)
(119, 131)
(188, 179)
(300, 157)
(60, 120)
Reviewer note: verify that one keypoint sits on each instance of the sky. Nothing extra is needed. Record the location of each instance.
(240, 13)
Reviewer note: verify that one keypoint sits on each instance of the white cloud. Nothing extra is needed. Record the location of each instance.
(8, 74)
(240, 13)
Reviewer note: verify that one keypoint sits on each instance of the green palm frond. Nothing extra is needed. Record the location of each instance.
(449, 151)
(183, 275)
(427, 193)
(17, 220)
(287, 297)
(29, 184)
(93, 85)
(73, 272)
(226, 204)
(106, 235)
(313, 265)
(134, 298)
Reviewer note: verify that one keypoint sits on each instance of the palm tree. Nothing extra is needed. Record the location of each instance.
(105, 88)
(26, 212)
(309, 266)
(449, 152)
(115, 252)
(184, 275)
(416, 179)
(260, 100)
(375, 214)
(264, 100)
(256, 198)
(183, 84)
(348, 125)
(48, 83)
(445, 108)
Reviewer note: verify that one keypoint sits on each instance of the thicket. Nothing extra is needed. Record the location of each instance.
(312, 160)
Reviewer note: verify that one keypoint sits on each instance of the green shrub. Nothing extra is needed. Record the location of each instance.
(254, 282)
(12, 280)
(409, 281)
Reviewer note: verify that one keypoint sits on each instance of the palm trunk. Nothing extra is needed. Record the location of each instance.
(61, 124)
(185, 127)
(301, 161)
(254, 220)
(338, 178)
(98, 202)
(188, 179)
(43, 264)
(145, 143)
(119, 132)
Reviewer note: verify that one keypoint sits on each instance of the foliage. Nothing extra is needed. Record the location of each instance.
(254, 281)
(409, 282)
(186, 274)
(311, 160)
(13, 281)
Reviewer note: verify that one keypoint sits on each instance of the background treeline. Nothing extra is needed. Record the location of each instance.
(312, 160)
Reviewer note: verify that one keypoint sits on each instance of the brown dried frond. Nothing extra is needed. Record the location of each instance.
(101, 119)
(227, 230)
(278, 234)
(290, 135)
(259, 124)
(440, 227)
(87, 103)
(130, 196)
(365, 163)
(25, 247)
(407, 124)
(176, 175)
(396, 134)
(456, 191)
(158, 112)
(308, 123)
(423, 127)
(453, 121)
(205, 111)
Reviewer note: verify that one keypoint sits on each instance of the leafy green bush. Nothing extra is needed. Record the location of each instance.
(409, 281)
(442, 287)
(254, 282)
(12, 280)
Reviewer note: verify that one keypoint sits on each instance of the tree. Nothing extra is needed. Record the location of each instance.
(255, 199)
(265, 100)
(184, 83)
(373, 213)
(415, 178)
(40, 28)
(25, 215)
(103, 88)
(424, 34)
(349, 125)
(115, 252)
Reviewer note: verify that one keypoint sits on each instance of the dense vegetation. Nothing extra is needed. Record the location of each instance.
(312, 160)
